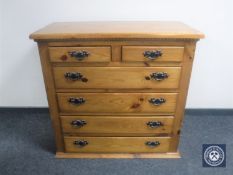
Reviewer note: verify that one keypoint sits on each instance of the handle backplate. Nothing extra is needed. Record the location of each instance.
(152, 143)
(79, 55)
(152, 55)
(159, 76)
(78, 123)
(73, 76)
(76, 100)
(154, 124)
(80, 143)
(157, 101)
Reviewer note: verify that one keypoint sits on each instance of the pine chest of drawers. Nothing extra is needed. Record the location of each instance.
(117, 89)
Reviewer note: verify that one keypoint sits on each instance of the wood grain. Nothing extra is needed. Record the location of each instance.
(117, 42)
(117, 124)
(51, 94)
(96, 54)
(184, 84)
(116, 144)
(117, 102)
(127, 29)
(135, 53)
(117, 78)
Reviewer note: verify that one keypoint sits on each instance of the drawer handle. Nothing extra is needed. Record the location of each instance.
(76, 101)
(159, 76)
(154, 124)
(78, 123)
(157, 101)
(152, 55)
(79, 55)
(81, 143)
(75, 76)
(152, 143)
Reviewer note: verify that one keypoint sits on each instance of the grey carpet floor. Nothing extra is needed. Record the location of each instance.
(27, 147)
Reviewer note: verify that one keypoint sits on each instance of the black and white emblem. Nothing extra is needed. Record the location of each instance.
(214, 155)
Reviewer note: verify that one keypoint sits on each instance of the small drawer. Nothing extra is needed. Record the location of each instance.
(117, 77)
(117, 125)
(80, 54)
(117, 102)
(116, 144)
(152, 53)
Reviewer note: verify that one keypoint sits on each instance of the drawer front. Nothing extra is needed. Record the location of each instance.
(116, 144)
(152, 53)
(117, 102)
(121, 125)
(117, 77)
(80, 54)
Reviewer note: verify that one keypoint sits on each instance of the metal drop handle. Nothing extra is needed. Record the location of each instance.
(79, 55)
(152, 143)
(157, 101)
(76, 100)
(75, 76)
(81, 143)
(159, 76)
(78, 123)
(154, 124)
(152, 55)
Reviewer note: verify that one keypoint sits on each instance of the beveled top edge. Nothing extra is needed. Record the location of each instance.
(118, 30)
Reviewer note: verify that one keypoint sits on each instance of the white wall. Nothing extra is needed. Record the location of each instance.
(21, 82)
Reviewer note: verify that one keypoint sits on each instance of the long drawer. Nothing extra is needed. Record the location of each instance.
(116, 124)
(117, 77)
(152, 53)
(117, 102)
(116, 144)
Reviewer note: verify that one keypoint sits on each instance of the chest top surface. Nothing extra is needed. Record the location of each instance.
(108, 30)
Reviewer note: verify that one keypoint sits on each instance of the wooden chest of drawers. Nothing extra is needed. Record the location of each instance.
(117, 89)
